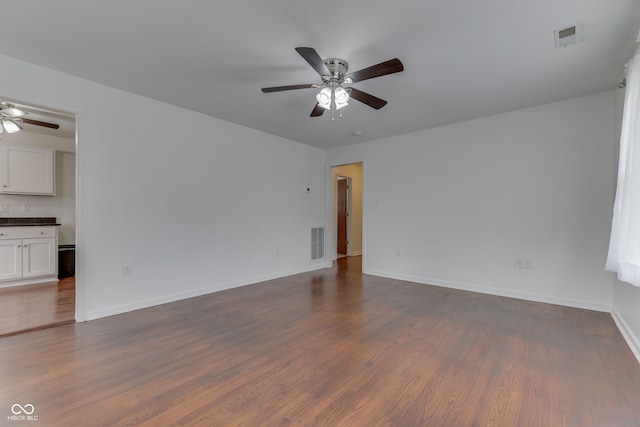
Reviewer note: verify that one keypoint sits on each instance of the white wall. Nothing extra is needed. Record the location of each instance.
(194, 209)
(61, 206)
(459, 203)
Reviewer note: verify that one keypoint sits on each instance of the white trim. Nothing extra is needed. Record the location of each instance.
(354, 253)
(330, 220)
(495, 291)
(81, 309)
(627, 333)
(92, 315)
(10, 283)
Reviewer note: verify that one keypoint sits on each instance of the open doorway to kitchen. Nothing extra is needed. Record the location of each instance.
(37, 222)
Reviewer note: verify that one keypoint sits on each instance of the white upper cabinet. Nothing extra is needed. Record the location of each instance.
(27, 170)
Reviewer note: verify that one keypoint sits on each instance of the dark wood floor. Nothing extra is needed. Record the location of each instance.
(31, 307)
(328, 348)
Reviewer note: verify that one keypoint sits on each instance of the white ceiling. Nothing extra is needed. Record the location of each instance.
(463, 59)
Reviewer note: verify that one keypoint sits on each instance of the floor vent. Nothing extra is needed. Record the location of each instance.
(317, 243)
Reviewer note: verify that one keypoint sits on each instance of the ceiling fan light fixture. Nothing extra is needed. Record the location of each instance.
(341, 97)
(10, 126)
(324, 98)
(14, 112)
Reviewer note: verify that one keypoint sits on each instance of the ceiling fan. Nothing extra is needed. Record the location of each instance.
(333, 72)
(10, 116)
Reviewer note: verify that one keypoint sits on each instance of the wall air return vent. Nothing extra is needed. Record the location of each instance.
(317, 243)
(568, 36)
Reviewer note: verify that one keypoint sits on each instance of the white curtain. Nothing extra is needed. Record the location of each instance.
(624, 246)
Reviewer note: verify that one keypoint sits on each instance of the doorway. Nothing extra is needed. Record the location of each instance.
(35, 306)
(347, 213)
(342, 215)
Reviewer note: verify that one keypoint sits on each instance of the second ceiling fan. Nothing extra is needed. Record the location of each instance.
(10, 116)
(333, 72)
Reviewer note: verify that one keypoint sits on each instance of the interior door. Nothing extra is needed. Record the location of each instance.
(342, 216)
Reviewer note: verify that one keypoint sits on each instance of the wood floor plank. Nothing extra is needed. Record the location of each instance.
(328, 348)
(32, 307)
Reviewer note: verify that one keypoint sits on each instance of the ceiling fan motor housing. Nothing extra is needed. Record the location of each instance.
(338, 69)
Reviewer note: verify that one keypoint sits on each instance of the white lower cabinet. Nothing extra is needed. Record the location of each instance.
(28, 255)
(10, 259)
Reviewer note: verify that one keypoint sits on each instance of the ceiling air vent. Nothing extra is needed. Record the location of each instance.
(568, 36)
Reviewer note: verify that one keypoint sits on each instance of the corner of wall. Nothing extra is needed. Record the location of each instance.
(627, 332)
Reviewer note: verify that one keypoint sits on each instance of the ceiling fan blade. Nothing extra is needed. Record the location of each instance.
(317, 111)
(311, 56)
(382, 69)
(290, 87)
(365, 98)
(39, 123)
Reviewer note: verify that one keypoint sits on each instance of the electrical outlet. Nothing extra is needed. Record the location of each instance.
(528, 263)
(26, 208)
(126, 269)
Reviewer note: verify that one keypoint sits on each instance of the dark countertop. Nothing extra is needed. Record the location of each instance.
(28, 222)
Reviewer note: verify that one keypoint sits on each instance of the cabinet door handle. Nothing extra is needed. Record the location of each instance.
(19, 246)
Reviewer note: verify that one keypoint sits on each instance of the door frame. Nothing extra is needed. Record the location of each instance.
(348, 212)
(331, 216)
(77, 113)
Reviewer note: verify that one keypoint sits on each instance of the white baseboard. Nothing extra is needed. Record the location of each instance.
(28, 281)
(112, 311)
(495, 291)
(627, 333)
(354, 253)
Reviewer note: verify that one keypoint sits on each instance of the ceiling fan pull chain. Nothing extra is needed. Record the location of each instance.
(333, 103)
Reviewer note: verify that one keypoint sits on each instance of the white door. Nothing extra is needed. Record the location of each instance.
(39, 257)
(10, 259)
